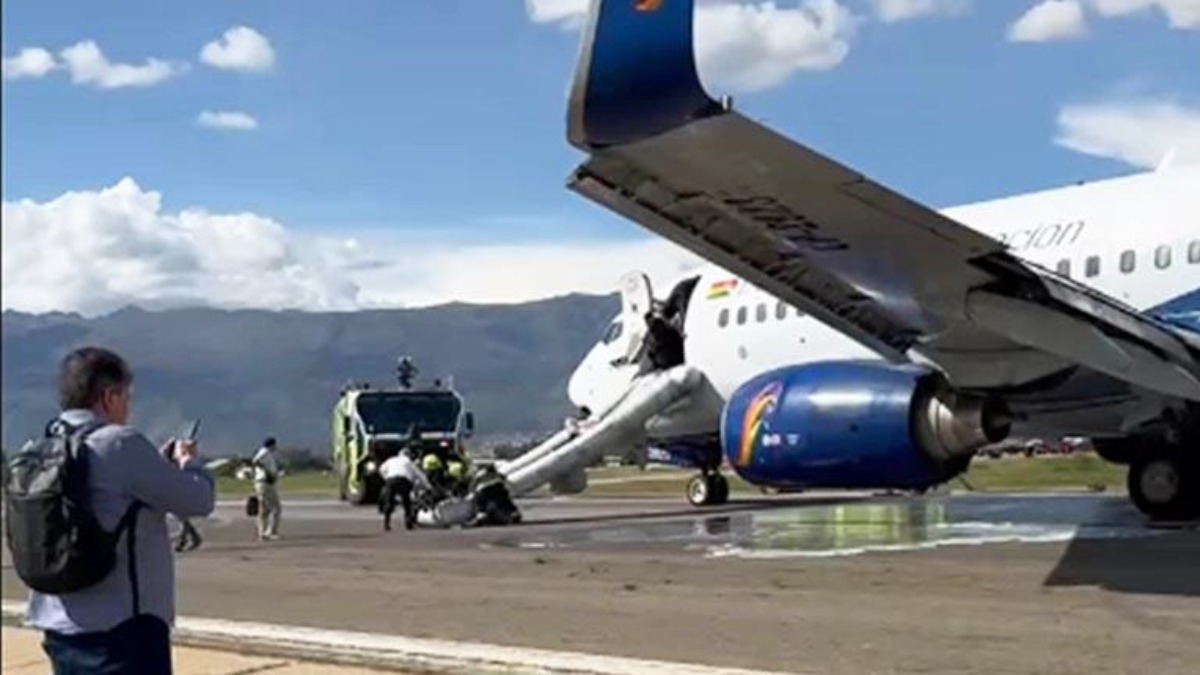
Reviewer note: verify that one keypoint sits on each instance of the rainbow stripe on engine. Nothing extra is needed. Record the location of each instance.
(760, 406)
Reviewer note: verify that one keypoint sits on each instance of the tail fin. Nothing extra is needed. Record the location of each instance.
(636, 75)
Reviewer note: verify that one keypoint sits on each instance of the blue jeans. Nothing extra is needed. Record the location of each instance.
(140, 646)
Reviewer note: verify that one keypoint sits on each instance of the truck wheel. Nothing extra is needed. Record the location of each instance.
(357, 490)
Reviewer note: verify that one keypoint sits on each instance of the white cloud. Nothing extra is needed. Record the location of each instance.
(227, 120)
(750, 47)
(746, 46)
(1181, 14)
(96, 251)
(89, 66)
(1049, 21)
(568, 13)
(1140, 133)
(240, 48)
(30, 62)
(892, 11)
(508, 273)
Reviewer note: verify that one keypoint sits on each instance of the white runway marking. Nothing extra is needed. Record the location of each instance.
(415, 653)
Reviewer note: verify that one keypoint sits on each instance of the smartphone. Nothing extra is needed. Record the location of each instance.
(187, 433)
(190, 430)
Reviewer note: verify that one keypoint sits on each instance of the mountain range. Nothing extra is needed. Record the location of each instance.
(248, 374)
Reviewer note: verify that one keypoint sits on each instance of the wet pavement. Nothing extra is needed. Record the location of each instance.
(836, 583)
(853, 527)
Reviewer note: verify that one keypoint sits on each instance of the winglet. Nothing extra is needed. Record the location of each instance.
(636, 75)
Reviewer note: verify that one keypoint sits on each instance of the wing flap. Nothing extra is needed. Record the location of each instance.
(884, 269)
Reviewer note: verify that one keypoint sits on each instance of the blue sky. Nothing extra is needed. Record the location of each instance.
(442, 121)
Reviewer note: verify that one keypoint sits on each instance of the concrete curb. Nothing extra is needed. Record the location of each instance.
(422, 655)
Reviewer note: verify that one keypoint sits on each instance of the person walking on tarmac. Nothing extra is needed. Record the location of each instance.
(189, 537)
(266, 476)
(400, 475)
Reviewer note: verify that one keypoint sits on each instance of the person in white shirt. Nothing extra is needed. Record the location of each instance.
(400, 475)
(266, 475)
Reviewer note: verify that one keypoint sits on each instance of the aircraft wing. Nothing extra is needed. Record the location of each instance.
(886, 270)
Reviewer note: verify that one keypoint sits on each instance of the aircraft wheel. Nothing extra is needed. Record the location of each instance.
(719, 490)
(699, 490)
(1165, 486)
(708, 490)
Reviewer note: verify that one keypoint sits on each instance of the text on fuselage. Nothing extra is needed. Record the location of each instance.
(1044, 236)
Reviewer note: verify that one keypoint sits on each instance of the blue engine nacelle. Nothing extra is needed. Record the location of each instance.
(844, 424)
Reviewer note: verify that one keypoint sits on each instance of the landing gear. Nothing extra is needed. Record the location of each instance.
(708, 489)
(1166, 486)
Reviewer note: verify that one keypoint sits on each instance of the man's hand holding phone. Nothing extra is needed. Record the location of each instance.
(184, 451)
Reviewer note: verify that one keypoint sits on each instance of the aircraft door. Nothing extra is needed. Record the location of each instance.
(637, 297)
(610, 366)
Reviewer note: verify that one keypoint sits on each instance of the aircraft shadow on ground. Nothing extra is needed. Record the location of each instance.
(1163, 564)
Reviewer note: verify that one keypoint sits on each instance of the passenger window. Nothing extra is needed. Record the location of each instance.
(1064, 267)
(1128, 259)
(761, 312)
(781, 311)
(613, 332)
(1194, 253)
(741, 318)
(1162, 257)
(1093, 266)
(723, 318)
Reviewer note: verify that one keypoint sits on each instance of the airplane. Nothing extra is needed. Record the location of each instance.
(850, 337)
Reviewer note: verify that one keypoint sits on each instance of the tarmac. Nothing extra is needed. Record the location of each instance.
(23, 655)
(824, 583)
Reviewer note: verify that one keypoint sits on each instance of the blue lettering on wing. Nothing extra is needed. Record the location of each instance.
(792, 227)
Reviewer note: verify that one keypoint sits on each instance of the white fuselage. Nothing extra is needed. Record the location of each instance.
(1136, 239)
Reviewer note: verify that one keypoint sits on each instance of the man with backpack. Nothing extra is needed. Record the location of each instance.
(86, 514)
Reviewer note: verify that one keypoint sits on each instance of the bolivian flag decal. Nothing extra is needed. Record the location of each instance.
(721, 289)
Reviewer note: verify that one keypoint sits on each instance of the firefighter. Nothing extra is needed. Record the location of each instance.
(456, 471)
(435, 470)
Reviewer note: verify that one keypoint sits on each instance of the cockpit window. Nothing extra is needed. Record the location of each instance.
(613, 332)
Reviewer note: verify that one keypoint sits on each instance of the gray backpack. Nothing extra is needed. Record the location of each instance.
(57, 545)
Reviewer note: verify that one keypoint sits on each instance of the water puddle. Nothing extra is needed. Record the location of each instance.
(855, 528)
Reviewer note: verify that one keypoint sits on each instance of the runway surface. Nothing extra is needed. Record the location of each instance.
(835, 584)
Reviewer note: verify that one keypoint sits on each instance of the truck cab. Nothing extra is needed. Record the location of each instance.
(372, 425)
